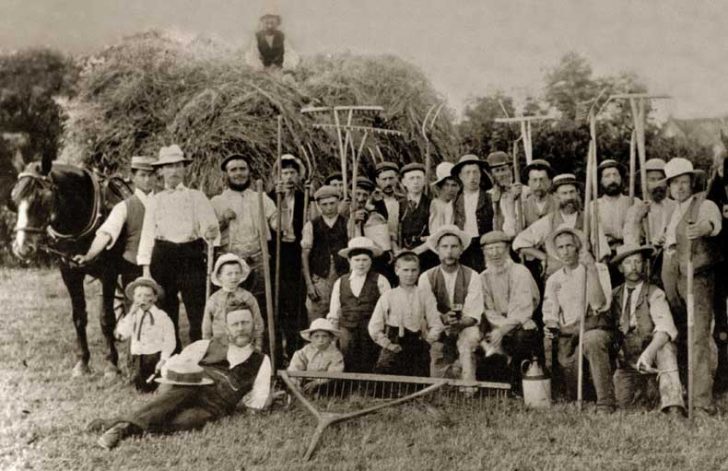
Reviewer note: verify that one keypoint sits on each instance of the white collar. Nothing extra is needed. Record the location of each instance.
(353, 275)
(330, 221)
(143, 197)
(636, 290)
(236, 355)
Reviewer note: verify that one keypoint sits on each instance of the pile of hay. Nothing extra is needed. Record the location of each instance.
(154, 89)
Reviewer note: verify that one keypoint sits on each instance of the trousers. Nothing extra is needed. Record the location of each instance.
(444, 359)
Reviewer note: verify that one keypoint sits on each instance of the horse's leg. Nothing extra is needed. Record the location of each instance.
(107, 317)
(73, 279)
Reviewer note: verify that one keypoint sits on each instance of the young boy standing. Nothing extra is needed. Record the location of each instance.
(405, 322)
(229, 271)
(150, 329)
(353, 299)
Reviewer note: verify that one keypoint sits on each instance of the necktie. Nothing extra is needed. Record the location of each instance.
(626, 311)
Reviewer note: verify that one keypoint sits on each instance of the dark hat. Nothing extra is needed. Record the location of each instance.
(626, 250)
(291, 161)
(333, 176)
(498, 159)
(411, 167)
(494, 237)
(564, 179)
(365, 183)
(326, 191)
(230, 157)
(465, 160)
(404, 252)
(539, 164)
(384, 166)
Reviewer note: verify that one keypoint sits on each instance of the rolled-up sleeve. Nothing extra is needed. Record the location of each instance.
(551, 306)
(146, 241)
(533, 236)
(335, 303)
(473, 305)
(523, 297)
(257, 398)
(709, 212)
(661, 315)
(206, 217)
(377, 322)
(114, 223)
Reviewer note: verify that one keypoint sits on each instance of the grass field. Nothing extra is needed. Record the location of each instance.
(44, 412)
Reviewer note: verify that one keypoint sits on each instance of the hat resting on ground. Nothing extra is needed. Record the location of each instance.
(321, 324)
(139, 162)
(171, 155)
(144, 281)
(228, 258)
(183, 372)
(449, 229)
(494, 237)
(363, 244)
(564, 229)
(626, 250)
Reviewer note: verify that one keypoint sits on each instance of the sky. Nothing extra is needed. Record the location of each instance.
(467, 48)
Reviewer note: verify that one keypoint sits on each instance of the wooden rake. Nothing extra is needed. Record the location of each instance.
(401, 389)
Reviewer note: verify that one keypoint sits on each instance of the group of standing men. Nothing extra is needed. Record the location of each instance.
(506, 266)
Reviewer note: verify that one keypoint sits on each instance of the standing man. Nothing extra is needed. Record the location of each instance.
(691, 236)
(511, 297)
(124, 223)
(323, 238)
(539, 201)
(447, 188)
(532, 241)
(473, 208)
(459, 297)
(415, 215)
(563, 306)
(614, 204)
(270, 50)
(647, 334)
(657, 208)
(505, 192)
(179, 223)
(290, 321)
(387, 178)
(237, 211)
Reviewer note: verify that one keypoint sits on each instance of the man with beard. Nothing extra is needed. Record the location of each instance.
(538, 202)
(657, 208)
(532, 241)
(203, 383)
(237, 211)
(613, 205)
(691, 236)
(474, 208)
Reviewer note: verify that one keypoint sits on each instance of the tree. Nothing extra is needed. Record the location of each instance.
(480, 133)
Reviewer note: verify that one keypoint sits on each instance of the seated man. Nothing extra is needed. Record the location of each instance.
(233, 370)
(459, 299)
(579, 288)
(510, 295)
(647, 334)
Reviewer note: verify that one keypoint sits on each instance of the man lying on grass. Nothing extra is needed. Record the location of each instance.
(203, 383)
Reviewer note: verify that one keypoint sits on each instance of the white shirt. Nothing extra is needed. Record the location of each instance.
(258, 396)
(117, 218)
(242, 236)
(356, 282)
(176, 215)
(564, 294)
(470, 203)
(150, 332)
(707, 211)
(392, 205)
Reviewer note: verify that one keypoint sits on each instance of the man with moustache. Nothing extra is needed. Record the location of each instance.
(232, 370)
(237, 211)
(657, 208)
(387, 179)
(179, 224)
(505, 192)
(613, 204)
(538, 201)
(531, 242)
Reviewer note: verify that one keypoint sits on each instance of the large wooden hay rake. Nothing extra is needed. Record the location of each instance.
(381, 391)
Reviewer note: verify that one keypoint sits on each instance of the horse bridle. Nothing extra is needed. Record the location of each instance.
(46, 184)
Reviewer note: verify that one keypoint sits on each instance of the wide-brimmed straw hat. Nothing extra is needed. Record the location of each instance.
(144, 281)
(465, 160)
(677, 167)
(228, 258)
(564, 229)
(317, 325)
(443, 172)
(171, 155)
(140, 162)
(626, 250)
(361, 244)
(183, 372)
(449, 229)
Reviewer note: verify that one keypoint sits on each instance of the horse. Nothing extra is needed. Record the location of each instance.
(59, 208)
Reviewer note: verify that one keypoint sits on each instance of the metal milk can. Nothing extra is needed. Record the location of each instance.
(536, 385)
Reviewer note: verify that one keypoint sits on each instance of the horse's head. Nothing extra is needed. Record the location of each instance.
(32, 198)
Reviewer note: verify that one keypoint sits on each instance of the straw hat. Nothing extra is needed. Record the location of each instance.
(564, 229)
(361, 243)
(171, 155)
(288, 159)
(465, 160)
(317, 325)
(443, 172)
(228, 258)
(626, 250)
(445, 230)
(655, 164)
(564, 179)
(143, 281)
(183, 372)
(539, 164)
(139, 162)
(610, 163)
(676, 167)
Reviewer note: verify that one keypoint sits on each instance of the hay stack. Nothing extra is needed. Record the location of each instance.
(154, 89)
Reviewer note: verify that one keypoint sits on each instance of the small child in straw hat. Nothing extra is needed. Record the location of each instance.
(320, 354)
(229, 271)
(150, 329)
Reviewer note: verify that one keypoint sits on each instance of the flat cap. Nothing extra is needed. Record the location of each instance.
(494, 237)
(498, 159)
(326, 191)
(384, 166)
(411, 167)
